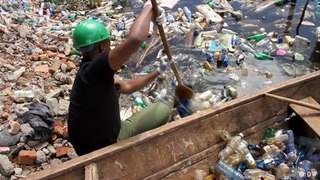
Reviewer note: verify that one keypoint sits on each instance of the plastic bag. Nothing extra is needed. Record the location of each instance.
(40, 119)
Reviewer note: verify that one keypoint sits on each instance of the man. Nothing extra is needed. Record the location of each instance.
(94, 118)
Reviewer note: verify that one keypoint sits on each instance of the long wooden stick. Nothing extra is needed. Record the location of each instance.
(165, 43)
(316, 107)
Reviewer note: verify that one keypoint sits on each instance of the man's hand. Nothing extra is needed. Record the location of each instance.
(161, 19)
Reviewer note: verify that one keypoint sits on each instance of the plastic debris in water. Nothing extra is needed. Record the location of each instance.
(262, 56)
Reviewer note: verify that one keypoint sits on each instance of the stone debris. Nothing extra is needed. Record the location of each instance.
(6, 167)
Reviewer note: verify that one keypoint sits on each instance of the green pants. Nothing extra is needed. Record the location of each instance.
(148, 118)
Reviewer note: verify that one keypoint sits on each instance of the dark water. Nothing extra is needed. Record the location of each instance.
(287, 15)
(282, 19)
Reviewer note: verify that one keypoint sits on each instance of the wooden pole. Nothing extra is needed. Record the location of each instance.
(165, 43)
(316, 107)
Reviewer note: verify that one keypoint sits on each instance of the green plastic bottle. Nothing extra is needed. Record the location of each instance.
(257, 37)
(138, 100)
(211, 4)
(143, 45)
(262, 56)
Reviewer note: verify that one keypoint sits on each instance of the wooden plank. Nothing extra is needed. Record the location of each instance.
(293, 101)
(310, 116)
(91, 172)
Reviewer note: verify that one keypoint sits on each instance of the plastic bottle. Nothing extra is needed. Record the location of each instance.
(280, 138)
(23, 94)
(235, 159)
(143, 45)
(301, 154)
(228, 171)
(183, 110)
(257, 37)
(137, 99)
(262, 56)
(196, 32)
(211, 4)
(198, 41)
(26, 5)
(271, 151)
(187, 13)
(256, 174)
(225, 58)
(234, 40)
(170, 18)
(248, 158)
(209, 58)
(290, 147)
(233, 143)
(181, 16)
(263, 42)
(246, 48)
(207, 66)
(282, 170)
(242, 167)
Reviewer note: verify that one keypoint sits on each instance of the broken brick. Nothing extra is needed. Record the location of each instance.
(61, 56)
(42, 68)
(55, 66)
(50, 54)
(27, 157)
(70, 65)
(62, 151)
(35, 57)
(44, 57)
(5, 115)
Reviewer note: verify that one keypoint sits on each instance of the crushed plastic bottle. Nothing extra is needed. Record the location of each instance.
(233, 143)
(228, 171)
(257, 174)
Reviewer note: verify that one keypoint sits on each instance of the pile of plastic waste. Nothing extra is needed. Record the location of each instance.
(280, 155)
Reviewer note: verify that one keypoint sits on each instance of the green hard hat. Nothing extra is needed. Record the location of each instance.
(89, 32)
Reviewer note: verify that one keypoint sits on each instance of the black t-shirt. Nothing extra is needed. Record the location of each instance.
(94, 118)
